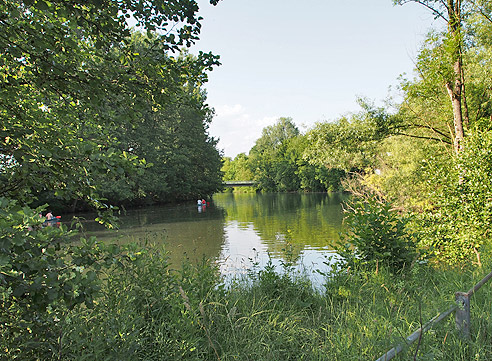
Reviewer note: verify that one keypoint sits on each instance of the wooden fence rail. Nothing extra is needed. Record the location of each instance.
(462, 319)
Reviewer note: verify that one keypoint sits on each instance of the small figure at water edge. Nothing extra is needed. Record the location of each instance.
(51, 220)
(49, 216)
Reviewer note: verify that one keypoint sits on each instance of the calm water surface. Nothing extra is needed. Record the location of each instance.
(237, 230)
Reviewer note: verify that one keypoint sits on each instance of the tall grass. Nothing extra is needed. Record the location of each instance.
(147, 311)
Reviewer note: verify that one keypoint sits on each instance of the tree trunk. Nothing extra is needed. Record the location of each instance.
(450, 11)
(454, 91)
(455, 86)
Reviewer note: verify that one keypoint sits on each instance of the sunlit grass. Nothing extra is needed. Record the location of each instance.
(148, 311)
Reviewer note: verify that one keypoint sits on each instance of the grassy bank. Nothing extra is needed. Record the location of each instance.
(147, 311)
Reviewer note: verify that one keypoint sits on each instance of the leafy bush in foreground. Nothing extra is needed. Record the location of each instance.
(43, 276)
(377, 233)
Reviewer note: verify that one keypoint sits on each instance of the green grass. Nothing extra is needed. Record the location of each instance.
(147, 311)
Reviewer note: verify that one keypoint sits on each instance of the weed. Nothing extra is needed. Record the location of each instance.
(149, 311)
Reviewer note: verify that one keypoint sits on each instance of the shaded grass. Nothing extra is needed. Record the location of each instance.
(148, 311)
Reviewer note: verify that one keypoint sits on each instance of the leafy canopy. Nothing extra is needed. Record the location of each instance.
(69, 75)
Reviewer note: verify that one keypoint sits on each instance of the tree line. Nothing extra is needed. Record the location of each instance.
(277, 164)
(92, 109)
(428, 156)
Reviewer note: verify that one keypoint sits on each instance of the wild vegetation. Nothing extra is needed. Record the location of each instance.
(93, 112)
(92, 109)
(427, 156)
(147, 310)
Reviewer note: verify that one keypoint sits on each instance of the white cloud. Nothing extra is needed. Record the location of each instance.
(237, 128)
(229, 110)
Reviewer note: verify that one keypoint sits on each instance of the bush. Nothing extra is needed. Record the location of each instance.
(376, 233)
(458, 226)
(42, 277)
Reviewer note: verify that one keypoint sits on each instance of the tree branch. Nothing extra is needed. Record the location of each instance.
(481, 11)
(428, 6)
(426, 137)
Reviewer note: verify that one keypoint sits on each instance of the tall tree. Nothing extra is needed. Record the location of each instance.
(271, 170)
(170, 131)
(237, 169)
(454, 13)
(62, 89)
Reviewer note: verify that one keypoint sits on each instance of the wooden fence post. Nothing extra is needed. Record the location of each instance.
(462, 315)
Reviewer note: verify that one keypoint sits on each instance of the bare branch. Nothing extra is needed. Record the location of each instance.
(426, 4)
(481, 11)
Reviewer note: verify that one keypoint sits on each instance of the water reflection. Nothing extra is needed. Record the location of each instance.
(279, 227)
(183, 230)
(237, 230)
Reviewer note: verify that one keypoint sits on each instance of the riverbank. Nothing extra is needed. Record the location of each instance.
(146, 310)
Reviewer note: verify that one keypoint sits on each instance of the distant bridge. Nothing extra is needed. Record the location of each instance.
(239, 184)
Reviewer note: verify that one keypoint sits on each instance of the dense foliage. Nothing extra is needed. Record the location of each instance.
(43, 276)
(88, 107)
(457, 228)
(276, 163)
(74, 79)
(170, 133)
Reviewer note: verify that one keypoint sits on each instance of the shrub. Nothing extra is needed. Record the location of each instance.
(376, 233)
(458, 226)
(42, 277)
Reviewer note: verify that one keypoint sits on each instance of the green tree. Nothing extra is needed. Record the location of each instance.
(273, 136)
(59, 78)
(170, 132)
(447, 57)
(228, 169)
(351, 143)
(271, 169)
(453, 229)
(279, 162)
(237, 169)
(69, 79)
(311, 177)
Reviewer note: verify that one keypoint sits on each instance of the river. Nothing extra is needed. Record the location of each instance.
(237, 230)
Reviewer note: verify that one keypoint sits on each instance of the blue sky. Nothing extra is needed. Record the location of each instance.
(308, 60)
